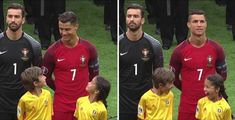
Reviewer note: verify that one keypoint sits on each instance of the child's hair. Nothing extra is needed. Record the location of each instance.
(162, 75)
(103, 86)
(218, 82)
(29, 75)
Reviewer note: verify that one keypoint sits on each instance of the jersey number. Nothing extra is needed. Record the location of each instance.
(200, 73)
(74, 73)
(135, 65)
(15, 68)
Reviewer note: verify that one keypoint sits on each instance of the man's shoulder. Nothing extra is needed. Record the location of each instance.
(33, 41)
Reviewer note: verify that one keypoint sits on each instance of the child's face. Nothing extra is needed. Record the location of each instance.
(210, 90)
(41, 81)
(166, 89)
(91, 86)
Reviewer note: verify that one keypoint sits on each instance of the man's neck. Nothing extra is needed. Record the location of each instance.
(134, 36)
(14, 35)
(197, 41)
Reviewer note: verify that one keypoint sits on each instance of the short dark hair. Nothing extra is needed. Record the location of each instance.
(163, 76)
(17, 6)
(136, 6)
(196, 12)
(68, 16)
(29, 75)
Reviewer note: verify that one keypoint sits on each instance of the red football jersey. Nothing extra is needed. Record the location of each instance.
(72, 68)
(193, 65)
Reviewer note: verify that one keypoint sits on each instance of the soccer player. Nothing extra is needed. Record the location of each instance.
(18, 51)
(192, 61)
(157, 103)
(214, 106)
(36, 103)
(74, 62)
(93, 106)
(139, 55)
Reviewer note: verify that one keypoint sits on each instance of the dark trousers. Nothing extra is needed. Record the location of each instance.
(122, 17)
(47, 12)
(152, 7)
(1, 16)
(173, 20)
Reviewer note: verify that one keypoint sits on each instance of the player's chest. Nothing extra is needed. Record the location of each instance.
(199, 58)
(131, 53)
(72, 59)
(20, 52)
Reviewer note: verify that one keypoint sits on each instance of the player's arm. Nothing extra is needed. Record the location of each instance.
(142, 108)
(175, 66)
(158, 57)
(221, 66)
(198, 114)
(93, 63)
(48, 67)
(21, 110)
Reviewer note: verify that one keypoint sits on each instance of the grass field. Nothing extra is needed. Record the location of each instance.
(217, 31)
(92, 28)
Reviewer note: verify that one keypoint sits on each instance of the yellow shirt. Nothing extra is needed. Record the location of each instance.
(209, 110)
(154, 107)
(31, 107)
(90, 111)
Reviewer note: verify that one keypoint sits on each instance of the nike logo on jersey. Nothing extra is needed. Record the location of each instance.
(2, 52)
(121, 54)
(187, 59)
(59, 60)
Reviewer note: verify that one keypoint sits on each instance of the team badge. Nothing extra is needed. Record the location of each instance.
(25, 52)
(219, 110)
(140, 110)
(94, 112)
(82, 61)
(46, 102)
(167, 102)
(209, 61)
(145, 54)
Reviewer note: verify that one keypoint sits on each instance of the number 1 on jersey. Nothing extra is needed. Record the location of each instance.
(135, 65)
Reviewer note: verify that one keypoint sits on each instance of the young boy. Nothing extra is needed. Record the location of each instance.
(157, 103)
(36, 103)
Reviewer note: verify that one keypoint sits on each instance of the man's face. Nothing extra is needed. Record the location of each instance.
(197, 25)
(67, 30)
(14, 19)
(133, 19)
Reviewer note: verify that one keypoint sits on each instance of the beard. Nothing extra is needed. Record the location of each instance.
(14, 27)
(133, 27)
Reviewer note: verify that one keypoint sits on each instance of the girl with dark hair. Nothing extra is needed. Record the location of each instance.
(214, 106)
(94, 106)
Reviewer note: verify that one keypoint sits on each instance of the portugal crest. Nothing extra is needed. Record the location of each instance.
(145, 54)
(209, 61)
(82, 61)
(25, 52)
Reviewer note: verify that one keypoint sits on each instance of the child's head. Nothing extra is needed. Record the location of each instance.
(33, 77)
(99, 86)
(163, 79)
(214, 87)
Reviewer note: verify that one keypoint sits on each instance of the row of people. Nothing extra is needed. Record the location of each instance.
(72, 61)
(191, 61)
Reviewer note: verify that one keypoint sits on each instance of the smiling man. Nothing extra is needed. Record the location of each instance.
(74, 62)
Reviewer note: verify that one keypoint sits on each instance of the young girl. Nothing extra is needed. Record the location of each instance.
(214, 106)
(93, 107)
(36, 103)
